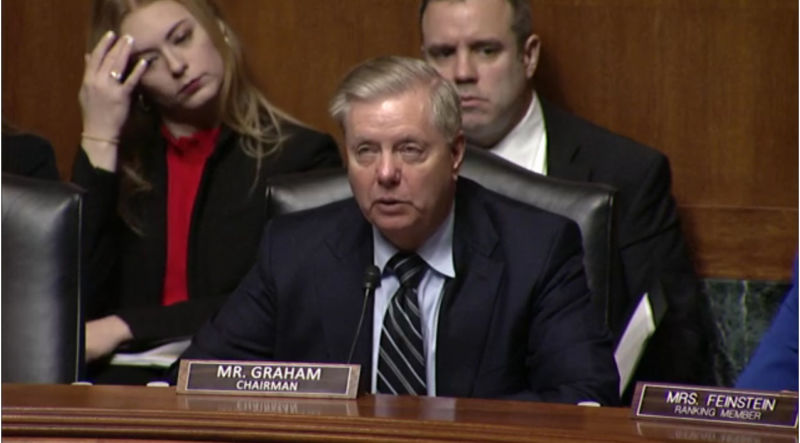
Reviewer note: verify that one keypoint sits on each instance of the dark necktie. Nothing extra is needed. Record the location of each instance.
(401, 357)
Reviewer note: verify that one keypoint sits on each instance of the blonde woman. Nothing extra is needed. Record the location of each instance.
(175, 149)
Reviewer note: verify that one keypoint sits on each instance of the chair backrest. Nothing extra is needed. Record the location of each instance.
(590, 205)
(42, 324)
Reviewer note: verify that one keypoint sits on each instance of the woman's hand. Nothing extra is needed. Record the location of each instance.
(104, 335)
(105, 97)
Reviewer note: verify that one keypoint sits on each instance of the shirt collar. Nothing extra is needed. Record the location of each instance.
(437, 251)
(197, 145)
(526, 144)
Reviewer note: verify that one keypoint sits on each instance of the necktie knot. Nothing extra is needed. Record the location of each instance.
(408, 267)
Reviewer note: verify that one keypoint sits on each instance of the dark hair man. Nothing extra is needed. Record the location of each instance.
(487, 48)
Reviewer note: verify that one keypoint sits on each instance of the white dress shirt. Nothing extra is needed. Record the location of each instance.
(437, 252)
(526, 144)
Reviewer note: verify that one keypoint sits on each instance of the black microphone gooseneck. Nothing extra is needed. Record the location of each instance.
(372, 279)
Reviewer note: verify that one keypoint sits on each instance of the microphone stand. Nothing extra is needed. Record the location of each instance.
(372, 278)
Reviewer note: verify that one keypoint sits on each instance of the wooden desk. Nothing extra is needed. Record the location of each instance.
(59, 412)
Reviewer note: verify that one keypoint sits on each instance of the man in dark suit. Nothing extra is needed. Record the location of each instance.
(488, 49)
(498, 306)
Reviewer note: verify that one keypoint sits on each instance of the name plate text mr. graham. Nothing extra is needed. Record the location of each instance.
(268, 378)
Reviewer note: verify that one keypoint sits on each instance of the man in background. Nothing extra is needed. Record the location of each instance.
(487, 48)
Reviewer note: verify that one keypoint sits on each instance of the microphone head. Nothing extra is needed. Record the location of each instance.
(372, 277)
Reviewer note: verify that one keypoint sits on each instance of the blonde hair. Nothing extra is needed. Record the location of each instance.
(242, 106)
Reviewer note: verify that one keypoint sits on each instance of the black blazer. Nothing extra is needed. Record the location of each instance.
(653, 251)
(125, 270)
(29, 155)
(517, 322)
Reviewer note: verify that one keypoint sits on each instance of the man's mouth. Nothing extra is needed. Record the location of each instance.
(470, 100)
(388, 204)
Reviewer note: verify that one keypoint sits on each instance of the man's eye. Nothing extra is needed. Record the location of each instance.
(365, 152)
(488, 51)
(411, 151)
(440, 53)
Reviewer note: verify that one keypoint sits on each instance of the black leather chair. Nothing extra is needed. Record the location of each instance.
(42, 325)
(590, 205)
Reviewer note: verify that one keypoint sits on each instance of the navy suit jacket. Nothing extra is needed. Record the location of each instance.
(652, 249)
(517, 321)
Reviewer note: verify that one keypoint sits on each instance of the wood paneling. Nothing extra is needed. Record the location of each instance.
(42, 65)
(745, 242)
(300, 49)
(711, 83)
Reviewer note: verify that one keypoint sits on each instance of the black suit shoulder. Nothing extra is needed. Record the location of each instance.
(613, 158)
(505, 211)
(29, 155)
(319, 221)
(511, 220)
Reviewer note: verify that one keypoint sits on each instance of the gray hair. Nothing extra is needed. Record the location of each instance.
(521, 21)
(393, 75)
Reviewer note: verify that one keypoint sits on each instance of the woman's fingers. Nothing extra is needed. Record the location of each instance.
(95, 59)
(105, 94)
(136, 74)
(116, 60)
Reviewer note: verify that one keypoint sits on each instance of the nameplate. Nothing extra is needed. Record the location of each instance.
(764, 409)
(279, 379)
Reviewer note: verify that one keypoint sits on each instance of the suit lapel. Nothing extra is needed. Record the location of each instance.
(468, 304)
(563, 148)
(338, 290)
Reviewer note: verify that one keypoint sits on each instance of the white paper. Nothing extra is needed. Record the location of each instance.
(161, 356)
(630, 347)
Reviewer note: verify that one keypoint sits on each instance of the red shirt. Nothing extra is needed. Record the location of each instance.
(186, 159)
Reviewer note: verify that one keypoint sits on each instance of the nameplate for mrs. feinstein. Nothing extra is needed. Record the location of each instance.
(714, 404)
(280, 379)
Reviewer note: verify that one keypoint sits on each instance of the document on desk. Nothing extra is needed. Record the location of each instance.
(631, 346)
(160, 356)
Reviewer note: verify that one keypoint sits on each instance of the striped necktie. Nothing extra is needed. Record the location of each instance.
(401, 357)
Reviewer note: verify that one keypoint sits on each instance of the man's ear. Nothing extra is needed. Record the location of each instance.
(530, 55)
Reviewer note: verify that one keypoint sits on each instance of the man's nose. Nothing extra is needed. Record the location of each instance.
(464, 70)
(388, 170)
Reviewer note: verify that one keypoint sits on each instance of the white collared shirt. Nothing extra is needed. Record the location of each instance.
(437, 252)
(526, 144)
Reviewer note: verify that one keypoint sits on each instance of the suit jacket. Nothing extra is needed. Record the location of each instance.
(653, 253)
(29, 155)
(125, 269)
(517, 322)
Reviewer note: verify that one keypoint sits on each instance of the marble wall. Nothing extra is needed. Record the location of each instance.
(743, 310)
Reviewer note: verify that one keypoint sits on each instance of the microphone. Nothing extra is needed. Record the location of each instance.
(372, 279)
